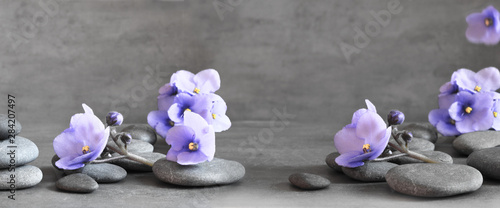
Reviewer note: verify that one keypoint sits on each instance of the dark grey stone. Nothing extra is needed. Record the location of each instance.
(135, 146)
(424, 131)
(142, 132)
(330, 161)
(370, 171)
(78, 182)
(55, 158)
(132, 165)
(105, 172)
(417, 144)
(487, 161)
(433, 155)
(434, 180)
(25, 152)
(4, 127)
(24, 177)
(308, 181)
(470, 142)
(216, 172)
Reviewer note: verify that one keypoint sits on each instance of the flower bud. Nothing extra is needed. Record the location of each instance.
(407, 136)
(114, 118)
(126, 138)
(395, 117)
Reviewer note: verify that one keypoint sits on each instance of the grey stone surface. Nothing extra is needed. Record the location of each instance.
(434, 180)
(24, 177)
(437, 156)
(23, 151)
(78, 182)
(370, 171)
(131, 165)
(308, 181)
(4, 126)
(142, 132)
(135, 146)
(417, 144)
(487, 161)
(105, 172)
(424, 131)
(330, 161)
(216, 172)
(470, 142)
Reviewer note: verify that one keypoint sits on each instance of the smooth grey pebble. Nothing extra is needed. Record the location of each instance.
(142, 132)
(370, 171)
(433, 155)
(216, 172)
(470, 142)
(25, 151)
(434, 180)
(4, 127)
(424, 131)
(308, 181)
(78, 182)
(105, 172)
(135, 146)
(330, 161)
(132, 165)
(25, 176)
(487, 161)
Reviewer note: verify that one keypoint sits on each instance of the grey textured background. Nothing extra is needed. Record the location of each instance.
(114, 55)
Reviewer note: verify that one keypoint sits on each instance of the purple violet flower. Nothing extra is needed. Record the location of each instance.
(166, 97)
(160, 121)
(485, 80)
(472, 112)
(192, 142)
(218, 118)
(114, 118)
(206, 81)
(496, 117)
(484, 27)
(184, 102)
(448, 92)
(82, 142)
(440, 118)
(364, 139)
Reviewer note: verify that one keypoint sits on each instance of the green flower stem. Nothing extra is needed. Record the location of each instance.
(108, 159)
(412, 154)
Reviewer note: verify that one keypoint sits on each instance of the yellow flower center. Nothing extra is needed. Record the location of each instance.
(468, 110)
(488, 22)
(477, 88)
(495, 114)
(86, 149)
(193, 146)
(196, 90)
(367, 148)
(214, 116)
(187, 109)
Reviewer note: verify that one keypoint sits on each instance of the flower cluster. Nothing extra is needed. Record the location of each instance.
(189, 112)
(364, 139)
(484, 27)
(468, 102)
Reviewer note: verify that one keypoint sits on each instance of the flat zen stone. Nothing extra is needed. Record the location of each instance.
(433, 155)
(4, 126)
(424, 131)
(487, 161)
(330, 161)
(308, 181)
(105, 172)
(142, 132)
(470, 142)
(23, 151)
(370, 171)
(216, 172)
(78, 182)
(434, 180)
(132, 165)
(25, 176)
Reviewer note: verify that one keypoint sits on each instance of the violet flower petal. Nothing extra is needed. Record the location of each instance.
(488, 79)
(207, 81)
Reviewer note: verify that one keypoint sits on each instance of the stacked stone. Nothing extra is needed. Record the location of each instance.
(15, 154)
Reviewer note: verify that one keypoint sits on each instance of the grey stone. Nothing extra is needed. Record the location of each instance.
(24, 177)
(55, 158)
(433, 155)
(434, 180)
(216, 172)
(78, 182)
(25, 151)
(470, 142)
(4, 127)
(424, 131)
(308, 181)
(105, 172)
(135, 146)
(417, 144)
(132, 165)
(330, 161)
(487, 161)
(142, 132)
(370, 171)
